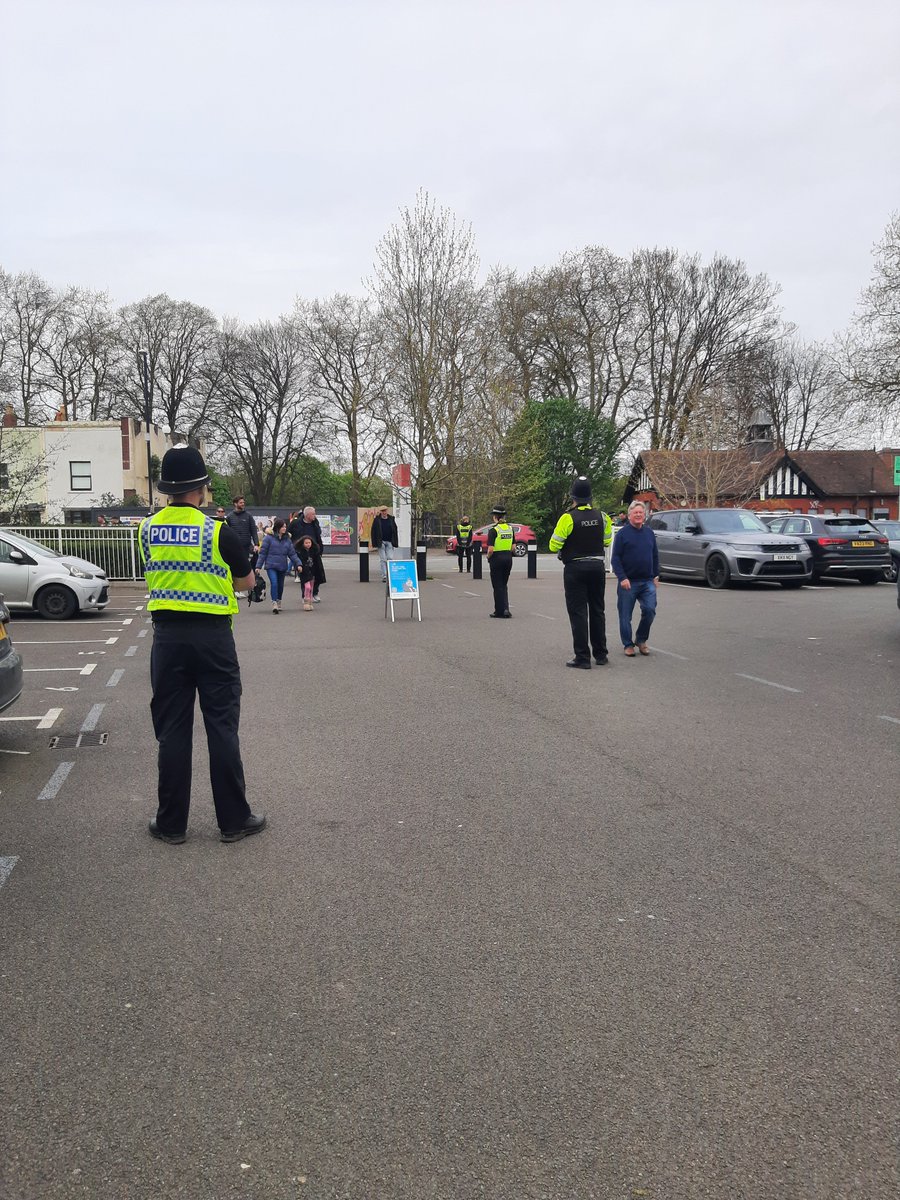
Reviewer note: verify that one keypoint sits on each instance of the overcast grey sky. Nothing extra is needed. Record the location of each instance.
(239, 153)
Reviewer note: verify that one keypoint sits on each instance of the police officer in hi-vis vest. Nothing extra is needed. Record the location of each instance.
(500, 555)
(192, 565)
(463, 533)
(581, 537)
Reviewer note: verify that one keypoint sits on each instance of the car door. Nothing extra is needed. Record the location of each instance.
(692, 545)
(14, 573)
(664, 525)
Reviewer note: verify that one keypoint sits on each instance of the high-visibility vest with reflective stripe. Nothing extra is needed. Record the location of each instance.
(503, 539)
(464, 533)
(183, 566)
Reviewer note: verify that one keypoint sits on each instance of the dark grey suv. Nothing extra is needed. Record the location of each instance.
(844, 546)
(725, 544)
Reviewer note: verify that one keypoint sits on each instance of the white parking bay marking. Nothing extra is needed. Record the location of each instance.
(88, 669)
(476, 594)
(544, 615)
(35, 670)
(885, 717)
(670, 654)
(92, 719)
(115, 677)
(7, 862)
(48, 721)
(143, 633)
(130, 651)
(451, 586)
(72, 642)
(768, 682)
(56, 780)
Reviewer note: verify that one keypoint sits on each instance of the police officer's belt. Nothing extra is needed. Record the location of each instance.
(588, 558)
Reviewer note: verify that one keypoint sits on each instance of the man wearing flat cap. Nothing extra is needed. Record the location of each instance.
(192, 565)
(581, 537)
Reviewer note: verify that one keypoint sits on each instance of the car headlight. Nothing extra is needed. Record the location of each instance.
(743, 548)
(78, 573)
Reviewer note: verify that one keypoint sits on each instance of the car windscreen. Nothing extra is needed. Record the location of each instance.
(730, 520)
(24, 543)
(846, 525)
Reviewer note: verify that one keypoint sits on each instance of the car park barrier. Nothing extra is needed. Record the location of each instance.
(422, 562)
(476, 560)
(532, 560)
(363, 562)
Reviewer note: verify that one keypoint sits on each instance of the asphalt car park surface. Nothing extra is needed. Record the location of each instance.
(514, 931)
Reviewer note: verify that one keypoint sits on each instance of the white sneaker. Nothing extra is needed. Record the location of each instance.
(316, 600)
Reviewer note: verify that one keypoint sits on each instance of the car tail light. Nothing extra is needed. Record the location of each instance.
(832, 541)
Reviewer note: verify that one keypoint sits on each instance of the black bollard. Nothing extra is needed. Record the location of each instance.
(532, 560)
(476, 560)
(421, 563)
(363, 562)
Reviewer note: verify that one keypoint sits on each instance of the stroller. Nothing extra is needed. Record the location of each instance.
(257, 593)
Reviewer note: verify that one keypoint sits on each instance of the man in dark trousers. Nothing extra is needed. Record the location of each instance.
(464, 534)
(580, 538)
(384, 537)
(306, 524)
(192, 565)
(500, 555)
(635, 561)
(245, 527)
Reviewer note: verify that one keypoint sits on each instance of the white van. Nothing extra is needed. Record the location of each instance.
(57, 586)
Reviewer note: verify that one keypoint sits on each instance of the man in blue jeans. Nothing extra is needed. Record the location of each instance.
(635, 561)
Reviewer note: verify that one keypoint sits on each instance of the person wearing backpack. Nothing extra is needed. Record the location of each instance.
(275, 554)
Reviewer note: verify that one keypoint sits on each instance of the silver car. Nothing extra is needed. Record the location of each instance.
(58, 586)
(10, 663)
(891, 530)
(722, 545)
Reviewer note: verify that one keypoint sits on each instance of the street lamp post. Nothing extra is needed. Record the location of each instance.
(144, 370)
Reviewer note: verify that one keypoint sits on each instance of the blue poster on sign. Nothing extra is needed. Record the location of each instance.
(402, 579)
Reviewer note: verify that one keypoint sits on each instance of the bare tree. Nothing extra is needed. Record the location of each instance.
(796, 386)
(427, 309)
(78, 353)
(28, 305)
(347, 371)
(263, 416)
(869, 356)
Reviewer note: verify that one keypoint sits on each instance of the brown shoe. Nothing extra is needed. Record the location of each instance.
(629, 651)
(643, 647)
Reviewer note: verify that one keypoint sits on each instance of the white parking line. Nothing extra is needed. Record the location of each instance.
(768, 682)
(71, 642)
(91, 720)
(143, 633)
(36, 670)
(45, 722)
(7, 862)
(451, 586)
(476, 594)
(544, 615)
(56, 780)
(115, 677)
(670, 654)
(893, 720)
(131, 650)
(89, 669)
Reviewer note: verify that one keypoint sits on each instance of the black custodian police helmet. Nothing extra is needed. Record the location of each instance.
(498, 511)
(182, 470)
(581, 488)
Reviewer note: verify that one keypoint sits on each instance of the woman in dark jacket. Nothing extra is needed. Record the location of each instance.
(312, 572)
(275, 553)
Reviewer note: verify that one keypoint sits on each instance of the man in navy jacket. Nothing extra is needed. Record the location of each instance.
(635, 561)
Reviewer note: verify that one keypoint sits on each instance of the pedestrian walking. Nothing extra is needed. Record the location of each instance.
(635, 561)
(500, 555)
(310, 570)
(384, 538)
(305, 524)
(245, 527)
(276, 555)
(192, 565)
(464, 532)
(580, 538)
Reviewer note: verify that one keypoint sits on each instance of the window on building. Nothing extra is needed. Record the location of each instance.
(80, 476)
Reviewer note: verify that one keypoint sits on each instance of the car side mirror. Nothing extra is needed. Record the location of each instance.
(17, 556)
(692, 529)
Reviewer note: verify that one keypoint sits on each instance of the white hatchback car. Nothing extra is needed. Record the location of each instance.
(58, 586)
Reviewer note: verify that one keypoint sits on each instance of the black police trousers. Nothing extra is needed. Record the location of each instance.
(500, 565)
(191, 657)
(584, 581)
(467, 551)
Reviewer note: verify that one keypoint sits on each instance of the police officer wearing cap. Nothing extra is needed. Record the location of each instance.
(500, 555)
(580, 538)
(192, 565)
(464, 532)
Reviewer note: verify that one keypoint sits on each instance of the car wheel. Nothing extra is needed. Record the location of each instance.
(718, 571)
(891, 572)
(870, 577)
(520, 549)
(56, 603)
(791, 583)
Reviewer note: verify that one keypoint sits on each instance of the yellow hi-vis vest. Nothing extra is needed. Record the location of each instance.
(503, 539)
(183, 567)
(465, 533)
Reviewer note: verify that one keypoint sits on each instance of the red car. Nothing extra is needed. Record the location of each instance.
(523, 535)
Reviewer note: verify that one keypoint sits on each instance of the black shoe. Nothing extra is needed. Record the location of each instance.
(579, 663)
(602, 660)
(173, 839)
(253, 824)
(495, 614)
(507, 613)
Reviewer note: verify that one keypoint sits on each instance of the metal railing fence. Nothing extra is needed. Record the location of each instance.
(114, 549)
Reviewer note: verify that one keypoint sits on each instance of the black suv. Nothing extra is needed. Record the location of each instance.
(845, 546)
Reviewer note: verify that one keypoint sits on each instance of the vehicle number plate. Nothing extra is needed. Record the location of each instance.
(862, 544)
(785, 557)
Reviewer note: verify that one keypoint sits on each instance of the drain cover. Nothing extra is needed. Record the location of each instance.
(67, 741)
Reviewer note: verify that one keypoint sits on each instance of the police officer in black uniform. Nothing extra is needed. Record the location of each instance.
(192, 564)
(464, 534)
(500, 555)
(581, 537)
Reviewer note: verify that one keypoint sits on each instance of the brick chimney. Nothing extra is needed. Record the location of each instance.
(10, 420)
